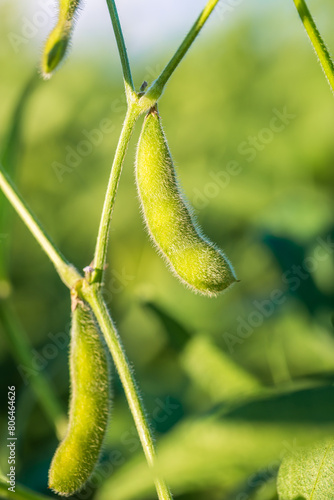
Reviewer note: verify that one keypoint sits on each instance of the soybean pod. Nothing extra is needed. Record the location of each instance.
(59, 38)
(77, 455)
(171, 224)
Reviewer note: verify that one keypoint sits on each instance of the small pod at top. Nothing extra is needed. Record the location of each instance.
(59, 38)
(77, 455)
(172, 226)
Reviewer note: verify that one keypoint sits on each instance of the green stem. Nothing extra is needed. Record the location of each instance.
(317, 41)
(156, 89)
(21, 350)
(128, 82)
(21, 493)
(134, 110)
(103, 234)
(66, 271)
(126, 375)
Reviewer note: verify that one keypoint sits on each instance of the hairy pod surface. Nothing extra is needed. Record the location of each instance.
(78, 454)
(194, 259)
(59, 38)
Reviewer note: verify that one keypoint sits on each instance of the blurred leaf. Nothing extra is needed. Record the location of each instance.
(9, 157)
(308, 474)
(13, 142)
(214, 372)
(259, 486)
(292, 259)
(206, 453)
(178, 335)
(305, 406)
(249, 441)
(14, 333)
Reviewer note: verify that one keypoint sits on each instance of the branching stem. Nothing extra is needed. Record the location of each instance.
(128, 82)
(66, 271)
(157, 88)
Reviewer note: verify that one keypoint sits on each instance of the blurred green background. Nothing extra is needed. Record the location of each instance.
(230, 384)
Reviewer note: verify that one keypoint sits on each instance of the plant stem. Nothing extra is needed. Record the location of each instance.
(317, 41)
(128, 82)
(103, 235)
(126, 375)
(135, 108)
(156, 89)
(21, 350)
(66, 271)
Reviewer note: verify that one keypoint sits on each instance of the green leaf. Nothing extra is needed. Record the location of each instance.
(201, 454)
(308, 474)
(215, 372)
(9, 157)
(178, 335)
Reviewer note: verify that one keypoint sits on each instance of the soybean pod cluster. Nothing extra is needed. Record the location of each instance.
(198, 262)
(191, 256)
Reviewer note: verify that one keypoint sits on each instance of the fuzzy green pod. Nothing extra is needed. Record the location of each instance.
(77, 455)
(193, 258)
(59, 38)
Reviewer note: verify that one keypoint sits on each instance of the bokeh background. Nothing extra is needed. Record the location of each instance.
(230, 384)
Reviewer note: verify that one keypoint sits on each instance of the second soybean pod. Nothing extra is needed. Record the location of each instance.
(78, 454)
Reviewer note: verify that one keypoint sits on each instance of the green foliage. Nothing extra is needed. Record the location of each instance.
(208, 454)
(10, 155)
(308, 473)
(215, 373)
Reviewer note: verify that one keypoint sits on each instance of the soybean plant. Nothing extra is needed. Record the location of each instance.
(194, 259)
(76, 457)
